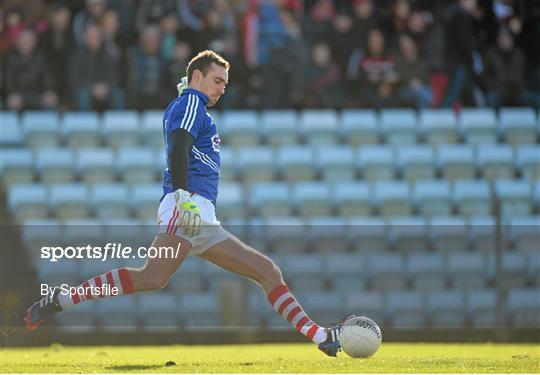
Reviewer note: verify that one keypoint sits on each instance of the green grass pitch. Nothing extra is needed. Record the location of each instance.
(271, 358)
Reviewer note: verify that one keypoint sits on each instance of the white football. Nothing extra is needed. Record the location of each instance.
(360, 337)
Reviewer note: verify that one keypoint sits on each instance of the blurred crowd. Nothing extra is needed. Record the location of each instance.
(130, 54)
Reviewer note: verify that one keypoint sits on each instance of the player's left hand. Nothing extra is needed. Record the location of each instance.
(190, 221)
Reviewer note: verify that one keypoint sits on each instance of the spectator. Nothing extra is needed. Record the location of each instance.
(13, 24)
(343, 39)
(413, 87)
(146, 84)
(318, 25)
(176, 68)
(169, 28)
(94, 75)
(29, 82)
(323, 87)
(110, 26)
(91, 14)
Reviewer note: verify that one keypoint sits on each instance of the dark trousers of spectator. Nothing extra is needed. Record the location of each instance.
(86, 102)
(460, 87)
(524, 98)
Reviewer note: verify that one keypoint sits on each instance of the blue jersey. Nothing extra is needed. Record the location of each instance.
(188, 112)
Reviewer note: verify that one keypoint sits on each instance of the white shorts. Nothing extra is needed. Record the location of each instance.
(211, 230)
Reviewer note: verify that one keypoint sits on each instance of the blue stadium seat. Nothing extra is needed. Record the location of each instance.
(296, 163)
(256, 164)
(259, 311)
(353, 198)
(386, 271)
(448, 234)
(121, 128)
(312, 199)
(41, 128)
(438, 126)
(136, 165)
(280, 126)
(69, 201)
(284, 234)
(392, 198)
(84, 231)
(159, 311)
(81, 320)
(145, 200)
(189, 277)
(472, 197)
(227, 169)
(376, 162)
(36, 233)
(522, 307)
(27, 201)
(371, 304)
(514, 197)
(152, 128)
(118, 314)
(456, 162)
(200, 310)
(96, 165)
(368, 234)
(527, 161)
(346, 272)
(433, 198)
(482, 307)
(495, 161)
(110, 201)
(359, 126)
(523, 233)
(398, 126)
(407, 234)
(335, 163)
(518, 125)
(12, 135)
(323, 307)
(270, 199)
(231, 201)
(55, 165)
(16, 166)
(467, 270)
(131, 232)
(304, 272)
(533, 267)
(319, 126)
(446, 308)
(240, 128)
(327, 234)
(478, 125)
(405, 308)
(416, 162)
(513, 272)
(426, 270)
(482, 233)
(81, 129)
(536, 195)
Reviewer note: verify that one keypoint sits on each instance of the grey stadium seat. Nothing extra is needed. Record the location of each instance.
(448, 233)
(376, 162)
(110, 201)
(96, 165)
(159, 311)
(118, 314)
(69, 201)
(240, 127)
(82, 319)
(359, 126)
(327, 234)
(12, 135)
(270, 199)
(514, 197)
(55, 165)
(189, 277)
(284, 234)
(513, 272)
(145, 200)
(456, 162)
(386, 271)
(319, 126)
(323, 307)
(416, 162)
(296, 163)
(467, 270)
(523, 307)
(407, 233)
(256, 164)
(426, 270)
(472, 197)
(482, 233)
(353, 198)
(478, 125)
(495, 161)
(366, 303)
(136, 165)
(227, 169)
(368, 234)
(36, 233)
(17, 166)
(446, 308)
(81, 129)
(200, 310)
(336, 163)
(527, 161)
(405, 308)
(392, 198)
(121, 128)
(41, 128)
(304, 272)
(398, 126)
(152, 128)
(346, 271)
(312, 198)
(518, 125)
(438, 126)
(231, 201)
(433, 198)
(280, 126)
(482, 306)
(524, 234)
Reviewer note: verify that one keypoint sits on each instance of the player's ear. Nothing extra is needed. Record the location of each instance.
(197, 75)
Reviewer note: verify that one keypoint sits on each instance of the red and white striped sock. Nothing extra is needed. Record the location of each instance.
(118, 278)
(288, 307)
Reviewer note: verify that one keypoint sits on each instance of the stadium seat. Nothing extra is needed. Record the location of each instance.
(145, 200)
(426, 270)
(231, 201)
(495, 161)
(482, 231)
(62, 271)
(446, 308)
(386, 271)
(405, 308)
(518, 125)
(392, 198)
(260, 311)
(189, 277)
(327, 234)
(130, 232)
(256, 164)
(81, 232)
(296, 163)
(280, 126)
(472, 197)
(416, 162)
(368, 234)
(448, 234)
(523, 233)
(478, 125)
(398, 126)
(41, 128)
(369, 303)
(407, 234)
(456, 162)
(528, 161)
(467, 270)
(240, 128)
(359, 126)
(69, 201)
(533, 268)
(514, 197)
(536, 195)
(96, 165)
(346, 272)
(55, 165)
(200, 310)
(159, 311)
(376, 162)
(335, 163)
(323, 307)
(81, 320)
(284, 234)
(16, 166)
(12, 135)
(352, 198)
(523, 305)
(433, 198)
(135, 165)
(81, 129)
(312, 198)
(36, 233)
(304, 272)
(227, 169)
(438, 126)
(482, 307)
(110, 201)
(270, 199)
(513, 272)
(121, 128)
(152, 129)
(118, 314)
(319, 126)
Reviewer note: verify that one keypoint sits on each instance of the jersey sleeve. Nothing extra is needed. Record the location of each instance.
(190, 116)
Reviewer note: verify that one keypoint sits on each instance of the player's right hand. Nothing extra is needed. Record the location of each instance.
(190, 216)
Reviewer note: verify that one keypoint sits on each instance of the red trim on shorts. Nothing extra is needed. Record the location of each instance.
(172, 221)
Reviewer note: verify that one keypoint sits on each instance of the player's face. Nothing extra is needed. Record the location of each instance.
(214, 83)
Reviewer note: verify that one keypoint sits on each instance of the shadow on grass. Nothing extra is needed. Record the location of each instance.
(133, 367)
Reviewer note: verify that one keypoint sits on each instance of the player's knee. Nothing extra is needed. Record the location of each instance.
(271, 273)
(158, 282)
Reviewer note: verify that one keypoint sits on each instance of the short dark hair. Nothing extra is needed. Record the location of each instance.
(203, 61)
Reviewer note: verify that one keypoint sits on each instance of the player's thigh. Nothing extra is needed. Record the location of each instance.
(171, 251)
(235, 256)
